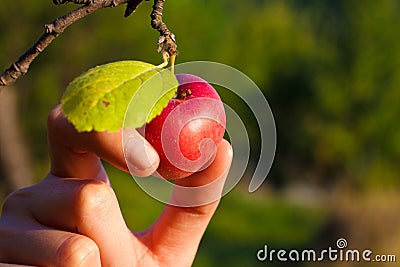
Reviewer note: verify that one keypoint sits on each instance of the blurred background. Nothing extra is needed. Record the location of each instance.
(330, 70)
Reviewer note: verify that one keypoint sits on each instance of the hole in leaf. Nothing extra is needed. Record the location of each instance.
(105, 103)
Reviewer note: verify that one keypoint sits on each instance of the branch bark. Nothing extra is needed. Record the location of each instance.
(167, 40)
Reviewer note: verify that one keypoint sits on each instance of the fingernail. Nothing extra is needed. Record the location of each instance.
(140, 155)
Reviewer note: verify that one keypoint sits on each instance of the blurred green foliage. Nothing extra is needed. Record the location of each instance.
(330, 70)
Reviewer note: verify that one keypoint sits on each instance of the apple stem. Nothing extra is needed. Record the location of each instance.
(173, 63)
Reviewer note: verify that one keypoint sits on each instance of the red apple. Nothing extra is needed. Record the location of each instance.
(188, 130)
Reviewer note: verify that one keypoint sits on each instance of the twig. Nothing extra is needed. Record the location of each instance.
(131, 7)
(167, 41)
(52, 30)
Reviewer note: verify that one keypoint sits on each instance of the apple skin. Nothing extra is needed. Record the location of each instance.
(188, 130)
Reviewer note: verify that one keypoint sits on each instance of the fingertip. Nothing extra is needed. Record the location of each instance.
(225, 148)
(55, 113)
(54, 121)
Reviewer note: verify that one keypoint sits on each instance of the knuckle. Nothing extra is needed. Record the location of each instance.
(16, 200)
(77, 251)
(95, 197)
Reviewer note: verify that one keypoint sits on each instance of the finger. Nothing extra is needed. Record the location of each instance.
(76, 154)
(179, 229)
(54, 202)
(89, 208)
(34, 244)
(102, 221)
(14, 265)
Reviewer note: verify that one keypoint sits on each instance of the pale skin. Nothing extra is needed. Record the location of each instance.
(72, 217)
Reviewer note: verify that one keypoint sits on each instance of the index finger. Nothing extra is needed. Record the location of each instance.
(78, 155)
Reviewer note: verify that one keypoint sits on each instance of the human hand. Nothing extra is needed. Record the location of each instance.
(72, 217)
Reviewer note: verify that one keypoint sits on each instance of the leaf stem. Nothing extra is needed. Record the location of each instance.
(165, 57)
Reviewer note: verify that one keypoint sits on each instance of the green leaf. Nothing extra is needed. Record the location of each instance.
(119, 94)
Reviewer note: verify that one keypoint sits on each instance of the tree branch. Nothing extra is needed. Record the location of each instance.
(131, 7)
(55, 28)
(166, 41)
